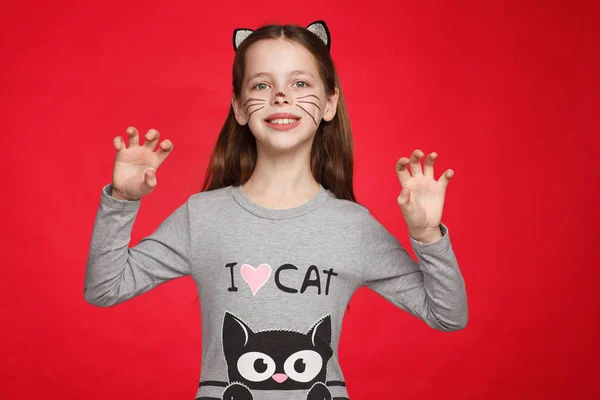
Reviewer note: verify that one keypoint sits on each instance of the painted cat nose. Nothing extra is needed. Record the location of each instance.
(280, 98)
(279, 378)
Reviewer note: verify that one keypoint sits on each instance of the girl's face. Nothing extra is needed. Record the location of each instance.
(283, 98)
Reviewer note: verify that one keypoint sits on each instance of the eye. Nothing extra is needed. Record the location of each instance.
(303, 366)
(260, 86)
(256, 366)
(301, 84)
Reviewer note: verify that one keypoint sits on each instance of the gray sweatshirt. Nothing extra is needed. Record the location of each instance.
(273, 283)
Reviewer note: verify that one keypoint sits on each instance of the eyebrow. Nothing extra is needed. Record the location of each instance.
(295, 72)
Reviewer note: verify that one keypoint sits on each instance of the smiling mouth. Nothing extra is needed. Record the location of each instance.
(282, 121)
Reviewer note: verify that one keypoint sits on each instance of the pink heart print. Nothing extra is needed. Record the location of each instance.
(256, 277)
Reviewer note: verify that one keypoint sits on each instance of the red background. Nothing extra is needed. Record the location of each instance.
(505, 92)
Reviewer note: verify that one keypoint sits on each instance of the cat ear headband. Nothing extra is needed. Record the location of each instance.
(319, 28)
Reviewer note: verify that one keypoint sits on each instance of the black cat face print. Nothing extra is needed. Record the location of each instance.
(276, 359)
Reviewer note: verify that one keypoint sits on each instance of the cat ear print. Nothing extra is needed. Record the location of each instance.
(239, 35)
(235, 331)
(321, 330)
(320, 29)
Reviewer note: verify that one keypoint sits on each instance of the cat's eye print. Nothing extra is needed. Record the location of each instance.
(255, 102)
(308, 102)
(303, 366)
(256, 366)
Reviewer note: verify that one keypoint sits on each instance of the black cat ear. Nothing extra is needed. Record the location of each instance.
(320, 29)
(235, 332)
(239, 35)
(321, 331)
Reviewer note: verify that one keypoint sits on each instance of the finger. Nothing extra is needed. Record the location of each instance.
(404, 201)
(415, 162)
(446, 176)
(118, 143)
(132, 137)
(151, 139)
(428, 164)
(150, 178)
(165, 148)
(403, 174)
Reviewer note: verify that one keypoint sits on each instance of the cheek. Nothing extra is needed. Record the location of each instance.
(253, 106)
(322, 102)
(323, 106)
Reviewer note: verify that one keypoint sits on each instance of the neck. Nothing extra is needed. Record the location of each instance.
(282, 174)
(284, 179)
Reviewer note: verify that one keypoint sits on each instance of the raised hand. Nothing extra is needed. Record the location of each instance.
(134, 172)
(422, 197)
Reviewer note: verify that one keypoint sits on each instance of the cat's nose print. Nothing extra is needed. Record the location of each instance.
(280, 378)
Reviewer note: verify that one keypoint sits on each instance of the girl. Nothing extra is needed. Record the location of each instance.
(275, 241)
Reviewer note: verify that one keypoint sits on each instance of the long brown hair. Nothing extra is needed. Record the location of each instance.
(332, 155)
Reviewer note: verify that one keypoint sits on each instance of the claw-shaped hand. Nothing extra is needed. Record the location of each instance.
(422, 197)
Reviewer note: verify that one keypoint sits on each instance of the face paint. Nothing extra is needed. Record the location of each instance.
(309, 102)
(282, 65)
(257, 102)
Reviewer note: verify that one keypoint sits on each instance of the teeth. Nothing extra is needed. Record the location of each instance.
(283, 121)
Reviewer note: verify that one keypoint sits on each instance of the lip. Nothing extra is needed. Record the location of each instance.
(281, 115)
(282, 127)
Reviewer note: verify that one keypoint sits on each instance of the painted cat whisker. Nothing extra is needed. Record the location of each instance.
(313, 118)
(255, 111)
(249, 100)
(309, 95)
(250, 105)
(310, 102)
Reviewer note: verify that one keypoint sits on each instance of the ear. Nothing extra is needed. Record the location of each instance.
(235, 334)
(331, 107)
(237, 110)
(320, 332)
(320, 29)
(239, 35)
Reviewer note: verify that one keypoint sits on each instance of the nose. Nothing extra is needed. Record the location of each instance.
(280, 98)
(279, 378)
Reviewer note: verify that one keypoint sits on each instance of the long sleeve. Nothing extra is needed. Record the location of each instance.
(432, 289)
(116, 273)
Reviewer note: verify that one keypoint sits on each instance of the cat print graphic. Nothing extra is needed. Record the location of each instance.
(276, 359)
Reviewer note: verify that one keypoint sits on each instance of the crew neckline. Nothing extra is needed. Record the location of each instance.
(274, 213)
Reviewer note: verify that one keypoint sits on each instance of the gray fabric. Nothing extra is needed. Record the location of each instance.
(220, 233)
